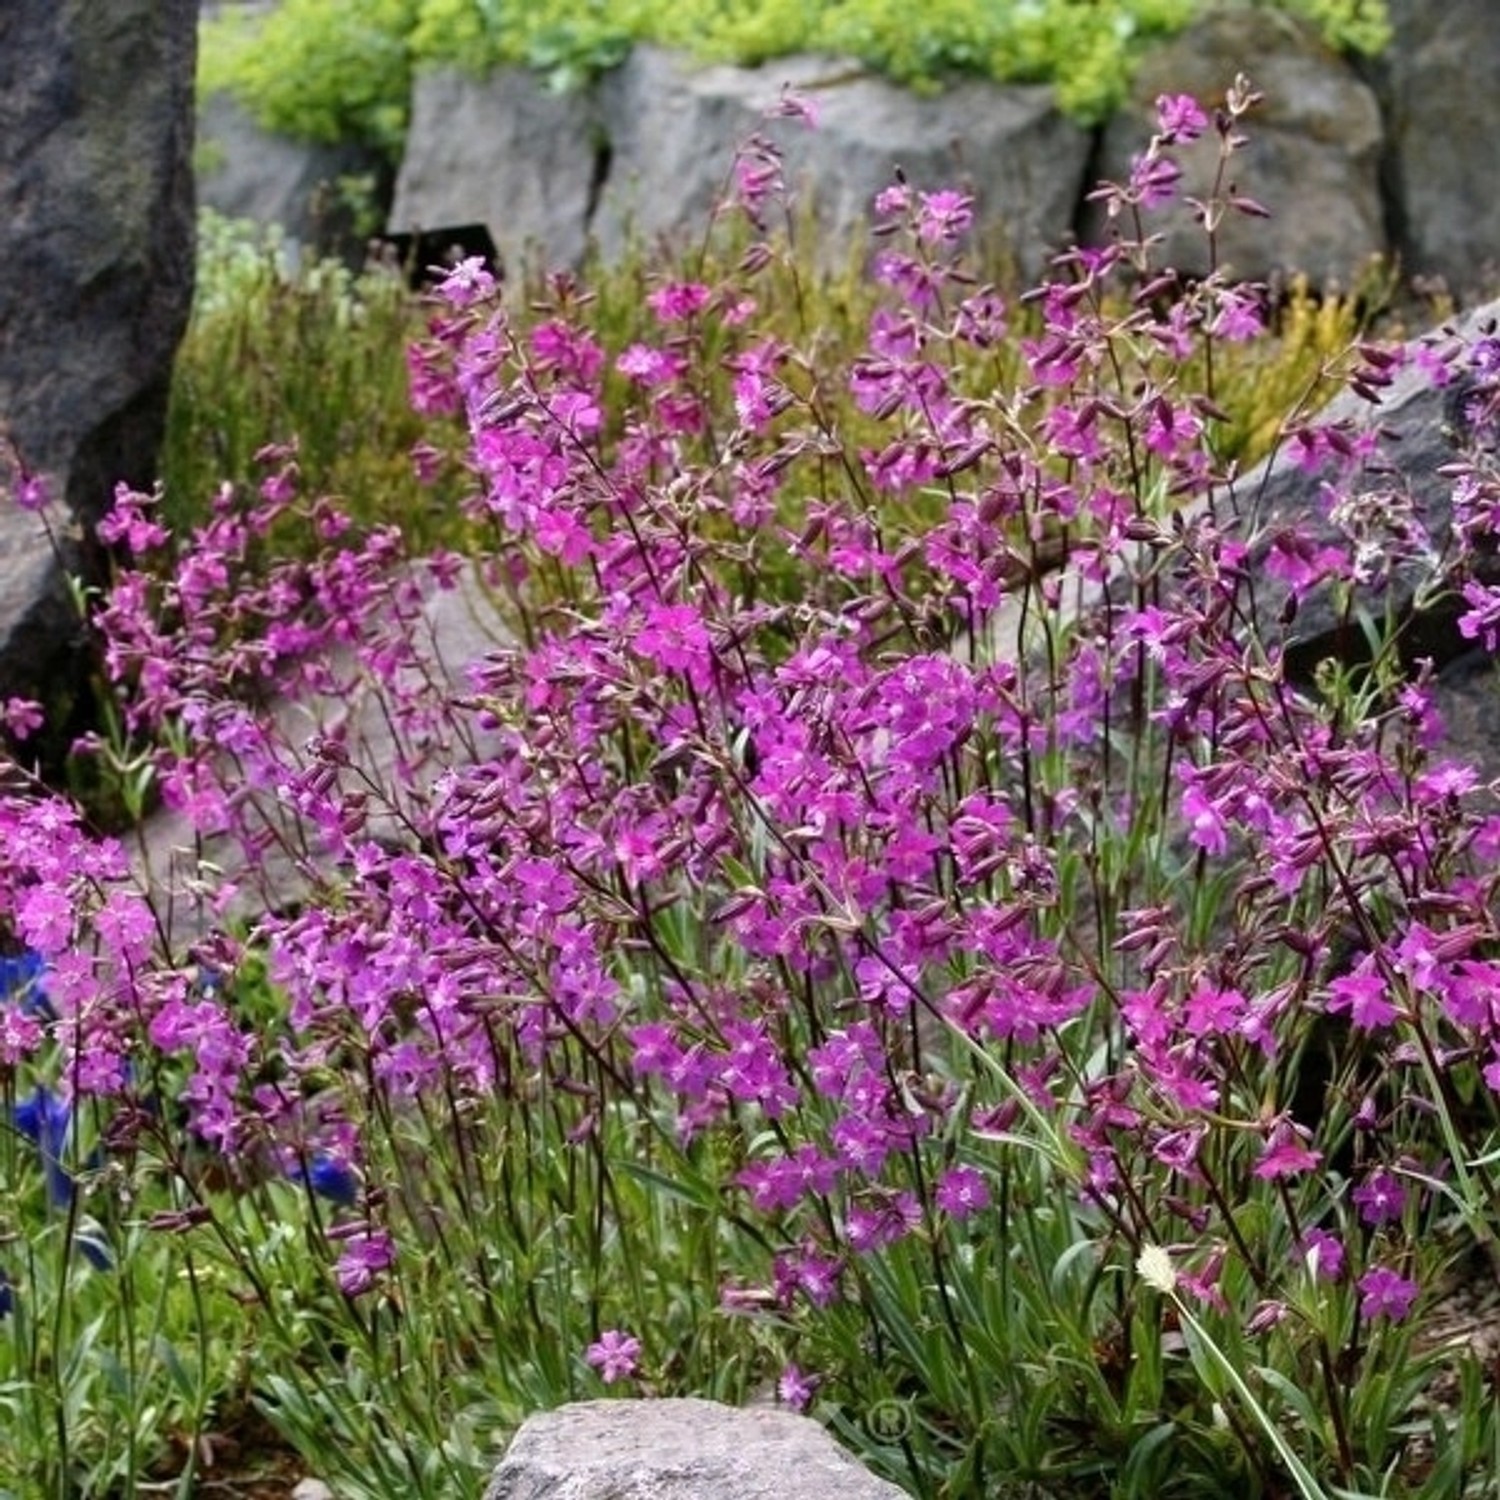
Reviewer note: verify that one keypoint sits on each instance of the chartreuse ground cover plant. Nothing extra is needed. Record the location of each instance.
(341, 69)
(968, 988)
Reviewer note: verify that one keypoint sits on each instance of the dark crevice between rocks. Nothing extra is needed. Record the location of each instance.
(1093, 172)
(603, 158)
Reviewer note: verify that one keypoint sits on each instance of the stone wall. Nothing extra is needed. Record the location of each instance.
(1389, 158)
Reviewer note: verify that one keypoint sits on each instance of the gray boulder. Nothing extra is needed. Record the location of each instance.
(1313, 157)
(673, 128)
(1440, 83)
(683, 1449)
(327, 198)
(648, 152)
(503, 151)
(96, 237)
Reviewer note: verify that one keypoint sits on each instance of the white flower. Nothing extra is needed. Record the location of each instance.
(1154, 1265)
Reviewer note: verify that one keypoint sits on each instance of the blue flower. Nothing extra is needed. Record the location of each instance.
(7, 1296)
(21, 980)
(91, 1243)
(44, 1119)
(332, 1178)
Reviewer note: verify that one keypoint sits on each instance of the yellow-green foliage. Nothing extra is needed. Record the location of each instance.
(316, 354)
(322, 70)
(1298, 369)
(329, 69)
(274, 353)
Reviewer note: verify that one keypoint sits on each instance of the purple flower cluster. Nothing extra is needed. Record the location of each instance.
(841, 766)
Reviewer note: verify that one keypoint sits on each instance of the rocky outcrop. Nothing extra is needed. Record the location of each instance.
(678, 1450)
(96, 237)
(1313, 157)
(672, 129)
(506, 152)
(648, 152)
(329, 199)
(1352, 160)
(1439, 83)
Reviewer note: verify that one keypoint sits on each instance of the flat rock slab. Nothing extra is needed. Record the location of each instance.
(182, 867)
(679, 1449)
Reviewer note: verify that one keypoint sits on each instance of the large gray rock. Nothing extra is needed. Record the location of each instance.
(96, 241)
(1313, 157)
(1420, 426)
(648, 152)
(683, 1449)
(1440, 83)
(506, 152)
(327, 198)
(673, 127)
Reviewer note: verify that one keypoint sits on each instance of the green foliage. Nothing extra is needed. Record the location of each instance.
(321, 70)
(1361, 26)
(274, 352)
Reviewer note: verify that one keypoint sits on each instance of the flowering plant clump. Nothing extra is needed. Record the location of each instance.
(970, 971)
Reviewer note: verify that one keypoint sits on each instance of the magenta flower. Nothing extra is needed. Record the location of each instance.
(678, 300)
(675, 638)
(795, 1388)
(1180, 117)
(21, 717)
(1365, 995)
(794, 106)
(961, 1192)
(1286, 1154)
(1238, 317)
(616, 1356)
(1208, 828)
(891, 202)
(1323, 1253)
(943, 216)
(467, 283)
(366, 1255)
(1153, 180)
(1386, 1294)
(1380, 1198)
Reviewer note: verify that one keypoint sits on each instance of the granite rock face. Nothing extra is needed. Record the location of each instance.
(649, 150)
(673, 128)
(96, 237)
(1440, 85)
(506, 152)
(1313, 158)
(311, 191)
(682, 1449)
